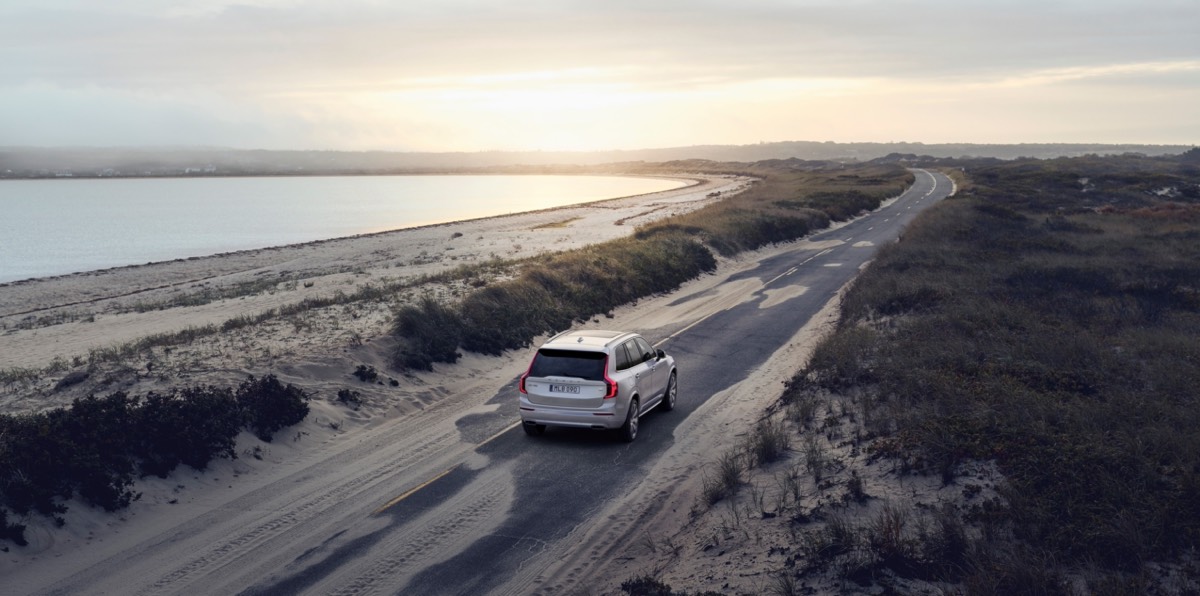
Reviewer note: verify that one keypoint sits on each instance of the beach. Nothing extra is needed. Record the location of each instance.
(67, 317)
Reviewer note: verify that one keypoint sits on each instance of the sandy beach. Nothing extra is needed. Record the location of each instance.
(67, 317)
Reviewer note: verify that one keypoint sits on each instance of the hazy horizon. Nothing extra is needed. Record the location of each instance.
(468, 75)
(778, 142)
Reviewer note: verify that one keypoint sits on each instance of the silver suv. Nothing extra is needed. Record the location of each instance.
(595, 379)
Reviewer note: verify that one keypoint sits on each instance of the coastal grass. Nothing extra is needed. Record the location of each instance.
(1048, 322)
(789, 200)
(551, 292)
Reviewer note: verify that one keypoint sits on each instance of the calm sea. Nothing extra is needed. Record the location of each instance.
(52, 227)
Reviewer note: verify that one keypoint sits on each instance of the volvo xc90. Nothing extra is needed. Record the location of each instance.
(596, 379)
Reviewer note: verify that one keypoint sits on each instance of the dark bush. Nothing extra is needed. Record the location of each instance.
(97, 455)
(32, 476)
(645, 586)
(191, 427)
(84, 450)
(268, 405)
(13, 531)
(840, 206)
(575, 286)
(648, 586)
(508, 315)
(93, 448)
(429, 332)
(350, 398)
(547, 297)
(366, 374)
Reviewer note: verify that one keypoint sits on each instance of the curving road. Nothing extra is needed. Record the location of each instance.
(462, 502)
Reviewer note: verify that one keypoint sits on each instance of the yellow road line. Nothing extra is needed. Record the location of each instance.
(418, 488)
(497, 435)
(412, 492)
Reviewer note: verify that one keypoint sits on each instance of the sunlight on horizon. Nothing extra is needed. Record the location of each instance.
(613, 108)
(474, 76)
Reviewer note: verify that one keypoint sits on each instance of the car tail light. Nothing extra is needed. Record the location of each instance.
(610, 386)
(521, 383)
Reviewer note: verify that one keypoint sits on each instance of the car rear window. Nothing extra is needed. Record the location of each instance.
(568, 363)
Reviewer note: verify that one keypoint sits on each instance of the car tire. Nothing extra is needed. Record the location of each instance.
(534, 430)
(668, 400)
(629, 430)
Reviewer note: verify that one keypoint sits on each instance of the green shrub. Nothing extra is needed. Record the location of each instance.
(508, 315)
(12, 531)
(85, 450)
(94, 448)
(191, 427)
(646, 585)
(350, 398)
(548, 295)
(268, 405)
(366, 374)
(32, 476)
(96, 453)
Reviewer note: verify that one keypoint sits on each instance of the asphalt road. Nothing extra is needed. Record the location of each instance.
(553, 483)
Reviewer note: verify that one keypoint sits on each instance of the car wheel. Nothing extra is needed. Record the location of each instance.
(534, 430)
(629, 430)
(668, 401)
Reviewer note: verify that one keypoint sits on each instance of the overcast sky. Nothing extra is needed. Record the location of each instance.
(468, 75)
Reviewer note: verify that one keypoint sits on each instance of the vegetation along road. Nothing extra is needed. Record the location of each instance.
(480, 507)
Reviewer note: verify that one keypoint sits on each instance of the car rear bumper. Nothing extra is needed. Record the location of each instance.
(603, 418)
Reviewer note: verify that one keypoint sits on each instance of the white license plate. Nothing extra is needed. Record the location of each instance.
(564, 389)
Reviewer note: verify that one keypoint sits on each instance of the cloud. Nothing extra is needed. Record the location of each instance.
(1141, 71)
(277, 43)
(45, 115)
(393, 74)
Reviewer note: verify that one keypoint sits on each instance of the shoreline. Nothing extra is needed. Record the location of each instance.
(94, 177)
(68, 316)
(690, 181)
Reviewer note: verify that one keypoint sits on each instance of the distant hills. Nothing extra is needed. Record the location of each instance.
(33, 162)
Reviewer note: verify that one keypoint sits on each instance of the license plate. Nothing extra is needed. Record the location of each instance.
(564, 389)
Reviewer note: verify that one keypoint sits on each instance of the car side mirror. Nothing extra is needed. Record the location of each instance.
(661, 354)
